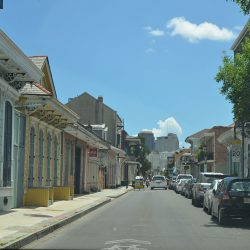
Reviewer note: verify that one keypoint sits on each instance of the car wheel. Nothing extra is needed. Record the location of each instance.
(221, 219)
(209, 209)
(204, 207)
(192, 201)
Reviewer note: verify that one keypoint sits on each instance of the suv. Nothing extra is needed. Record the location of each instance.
(158, 181)
(231, 199)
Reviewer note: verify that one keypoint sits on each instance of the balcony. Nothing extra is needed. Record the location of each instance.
(209, 156)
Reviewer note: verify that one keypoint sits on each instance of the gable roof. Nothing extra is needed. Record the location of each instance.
(42, 62)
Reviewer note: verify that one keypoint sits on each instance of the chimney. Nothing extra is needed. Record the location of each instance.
(100, 98)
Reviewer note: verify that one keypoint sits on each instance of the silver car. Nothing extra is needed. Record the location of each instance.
(208, 196)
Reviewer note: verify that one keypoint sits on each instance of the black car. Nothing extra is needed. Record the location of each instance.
(231, 199)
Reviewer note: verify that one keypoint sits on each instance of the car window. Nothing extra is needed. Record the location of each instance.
(240, 186)
(158, 178)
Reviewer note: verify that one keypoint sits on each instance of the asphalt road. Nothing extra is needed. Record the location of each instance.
(156, 219)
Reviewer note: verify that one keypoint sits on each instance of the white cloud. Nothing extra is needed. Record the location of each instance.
(154, 32)
(169, 125)
(195, 32)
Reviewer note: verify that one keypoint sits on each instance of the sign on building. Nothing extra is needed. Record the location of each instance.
(236, 153)
(93, 152)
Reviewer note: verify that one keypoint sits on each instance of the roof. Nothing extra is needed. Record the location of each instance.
(198, 134)
(38, 60)
(34, 89)
(241, 36)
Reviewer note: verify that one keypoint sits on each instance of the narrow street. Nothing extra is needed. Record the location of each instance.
(147, 219)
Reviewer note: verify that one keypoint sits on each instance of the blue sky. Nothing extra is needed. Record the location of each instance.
(153, 61)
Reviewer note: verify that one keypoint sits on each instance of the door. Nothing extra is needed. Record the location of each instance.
(31, 157)
(77, 170)
(48, 180)
(7, 150)
(19, 134)
(40, 159)
(55, 160)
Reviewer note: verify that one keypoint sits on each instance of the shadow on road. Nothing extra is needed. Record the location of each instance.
(231, 223)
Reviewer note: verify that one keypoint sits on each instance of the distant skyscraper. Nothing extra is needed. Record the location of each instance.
(168, 143)
(149, 139)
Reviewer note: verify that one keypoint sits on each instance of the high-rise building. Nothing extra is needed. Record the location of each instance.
(167, 143)
(149, 139)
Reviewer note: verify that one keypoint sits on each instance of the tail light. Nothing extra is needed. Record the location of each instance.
(225, 196)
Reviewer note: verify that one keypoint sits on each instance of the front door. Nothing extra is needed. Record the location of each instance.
(77, 177)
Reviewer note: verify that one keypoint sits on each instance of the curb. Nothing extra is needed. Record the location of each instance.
(49, 229)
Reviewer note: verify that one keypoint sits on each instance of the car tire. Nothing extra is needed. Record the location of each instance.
(209, 209)
(204, 207)
(222, 220)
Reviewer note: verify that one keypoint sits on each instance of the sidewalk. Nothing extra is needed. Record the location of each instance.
(21, 226)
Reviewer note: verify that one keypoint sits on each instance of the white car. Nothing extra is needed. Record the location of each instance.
(208, 196)
(180, 184)
(158, 181)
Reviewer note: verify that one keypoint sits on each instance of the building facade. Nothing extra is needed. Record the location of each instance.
(168, 143)
(149, 139)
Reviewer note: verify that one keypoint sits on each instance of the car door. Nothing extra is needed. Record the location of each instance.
(216, 198)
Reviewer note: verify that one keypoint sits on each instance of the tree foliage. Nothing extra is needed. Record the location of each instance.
(244, 5)
(235, 76)
(140, 153)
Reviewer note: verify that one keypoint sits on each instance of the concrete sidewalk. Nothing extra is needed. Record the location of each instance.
(21, 226)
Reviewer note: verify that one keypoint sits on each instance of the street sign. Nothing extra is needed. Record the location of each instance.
(236, 153)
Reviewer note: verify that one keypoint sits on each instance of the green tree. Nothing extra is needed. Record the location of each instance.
(140, 152)
(235, 77)
(244, 5)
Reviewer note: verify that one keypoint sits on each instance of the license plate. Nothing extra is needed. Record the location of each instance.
(246, 200)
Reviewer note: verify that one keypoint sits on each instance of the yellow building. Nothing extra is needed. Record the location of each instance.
(46, 117)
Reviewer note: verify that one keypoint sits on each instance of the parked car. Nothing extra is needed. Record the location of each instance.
(198, 192)
(188, 188)
(183, 176)
(208, 196)
(158, 181)
(172, 182)
(231, 199)
(180, 185)
(202, 185)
